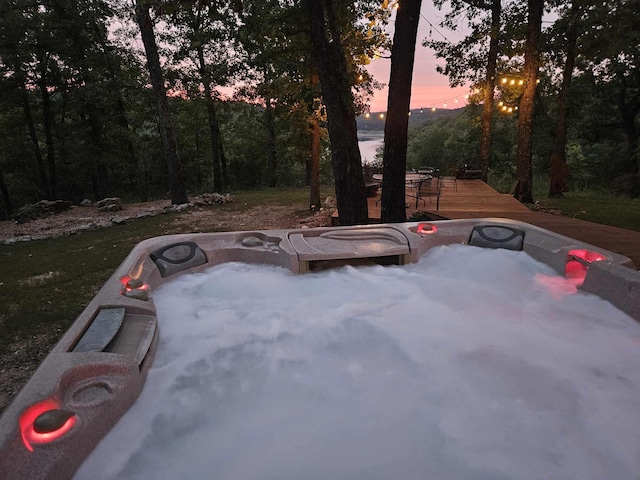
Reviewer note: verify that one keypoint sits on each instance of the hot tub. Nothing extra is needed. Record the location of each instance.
(98, 369)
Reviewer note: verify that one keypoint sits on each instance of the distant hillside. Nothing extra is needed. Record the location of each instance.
(374, 122)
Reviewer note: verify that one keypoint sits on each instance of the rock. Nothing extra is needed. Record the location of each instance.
(213, 199)
(119, 220)
(86, 203)
(330, 202)
(111, 204)
(41, 209)
(177, 208)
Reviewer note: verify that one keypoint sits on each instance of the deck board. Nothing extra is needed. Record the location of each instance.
(476, 199)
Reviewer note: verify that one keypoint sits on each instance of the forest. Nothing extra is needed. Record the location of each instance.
(146, 99)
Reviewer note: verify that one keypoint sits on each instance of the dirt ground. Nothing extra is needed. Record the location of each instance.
(195, 218)
(23, 356)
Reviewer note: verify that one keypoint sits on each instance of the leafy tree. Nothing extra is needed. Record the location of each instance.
(397, 124)
(611, 46)
(336, 91)
(559, 171)
(207, 56)
(472, 60)
(165, 124)
(524, 173)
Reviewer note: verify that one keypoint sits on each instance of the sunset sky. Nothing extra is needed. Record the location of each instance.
(429, 87)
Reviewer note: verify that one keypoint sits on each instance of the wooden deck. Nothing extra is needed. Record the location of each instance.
(476, 199)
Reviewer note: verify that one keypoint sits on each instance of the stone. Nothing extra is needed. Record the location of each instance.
(177, 208)
(213, 199)
(330, 202)
(86, 203)
(41, 209)
(111, 204)
(119, 220)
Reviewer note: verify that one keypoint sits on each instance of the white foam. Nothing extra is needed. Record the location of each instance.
(469, 364)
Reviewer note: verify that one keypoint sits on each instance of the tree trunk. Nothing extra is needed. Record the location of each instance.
(28, 117)
(214, 126)
(8, 206)
(558, 168)
(397, 124)
(490, 82)
(165, 124)
(341, 118)
(123, 122)
(102, 189)
(524, 187)
(273, 154)
(628, 112)
(314, 165)
(48, 121)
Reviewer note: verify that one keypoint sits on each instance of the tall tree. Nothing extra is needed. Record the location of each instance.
(558, 169)
(204, 34)
(489, 86)
(524, 168)
(329, 56)
(476, 57)
(397, 124)
(165, 124)
(611, 48)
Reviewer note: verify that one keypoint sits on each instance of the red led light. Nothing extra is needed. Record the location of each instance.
(575, 272)
(426, 228)
(29, 436)
(578, 262)
(127, 287)
(588, 256)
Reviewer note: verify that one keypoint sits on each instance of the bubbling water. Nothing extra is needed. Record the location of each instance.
(468, 364)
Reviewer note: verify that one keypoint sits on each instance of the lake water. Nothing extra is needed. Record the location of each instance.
(369, 142)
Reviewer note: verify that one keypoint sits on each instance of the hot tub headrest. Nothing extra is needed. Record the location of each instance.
(177, 257)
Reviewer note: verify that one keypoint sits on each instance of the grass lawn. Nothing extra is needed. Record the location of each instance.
(45, 284)
(607, 209)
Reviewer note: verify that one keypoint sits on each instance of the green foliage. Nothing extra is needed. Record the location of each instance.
(74, 68)
(581, 175)
(445, 143)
